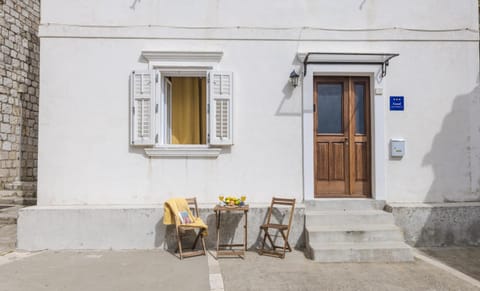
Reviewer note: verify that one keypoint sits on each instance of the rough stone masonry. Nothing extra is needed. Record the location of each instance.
(19, 90)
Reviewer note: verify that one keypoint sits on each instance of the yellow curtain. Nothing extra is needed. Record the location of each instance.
(188, 110)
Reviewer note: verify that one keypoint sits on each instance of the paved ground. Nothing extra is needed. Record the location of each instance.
(159, 270)
(465, 260)
(106, 270)
(297, 273)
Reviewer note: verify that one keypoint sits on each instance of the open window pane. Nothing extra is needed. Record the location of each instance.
(167, 111)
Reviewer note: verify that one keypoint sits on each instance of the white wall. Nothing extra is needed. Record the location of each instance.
(84, 154)
(437, 14)
(440, 123)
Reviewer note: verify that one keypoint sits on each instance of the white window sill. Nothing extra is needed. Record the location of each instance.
(195, 151)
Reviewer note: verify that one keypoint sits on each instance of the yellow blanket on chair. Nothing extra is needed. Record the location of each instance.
(174, 206)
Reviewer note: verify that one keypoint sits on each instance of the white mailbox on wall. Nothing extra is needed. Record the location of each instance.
(397, 148)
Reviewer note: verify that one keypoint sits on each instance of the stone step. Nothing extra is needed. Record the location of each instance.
(25, 186)
(353, 233)
(360, 252)
(347, 217)
(8, 238)
(5, 220)
(8, 214)
(13, 200)
(344, 204)
(17, 193)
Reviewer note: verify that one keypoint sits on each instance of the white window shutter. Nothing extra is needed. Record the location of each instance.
(220, 108)
(142, 108)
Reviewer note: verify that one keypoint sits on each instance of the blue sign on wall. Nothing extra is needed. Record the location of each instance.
(397, 103)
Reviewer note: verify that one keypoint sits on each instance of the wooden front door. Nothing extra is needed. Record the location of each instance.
(342, 137)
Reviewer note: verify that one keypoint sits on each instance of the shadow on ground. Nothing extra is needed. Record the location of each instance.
(463, 259)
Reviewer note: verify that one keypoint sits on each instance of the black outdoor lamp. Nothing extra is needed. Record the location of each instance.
(294, 78)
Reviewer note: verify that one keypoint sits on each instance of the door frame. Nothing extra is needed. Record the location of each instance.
(378, 144)
(348, 104)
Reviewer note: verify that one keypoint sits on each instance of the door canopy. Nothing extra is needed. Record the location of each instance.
(381, 59)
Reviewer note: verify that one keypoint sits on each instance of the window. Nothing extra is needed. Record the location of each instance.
(181, 109)
(185, 110)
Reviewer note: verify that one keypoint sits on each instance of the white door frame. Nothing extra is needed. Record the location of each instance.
(378, 105)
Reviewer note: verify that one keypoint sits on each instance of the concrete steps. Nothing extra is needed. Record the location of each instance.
(351, 230)
(361, 252)
(344, 204)
(8, 214)
(348, 217)
(354, 233)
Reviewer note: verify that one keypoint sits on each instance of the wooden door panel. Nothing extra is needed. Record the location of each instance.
(331, 178)
(337, 158)
(330, 189)
(360, 161)
(322, 161)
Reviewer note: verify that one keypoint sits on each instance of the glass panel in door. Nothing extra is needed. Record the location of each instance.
(360, 109)
(329, 108)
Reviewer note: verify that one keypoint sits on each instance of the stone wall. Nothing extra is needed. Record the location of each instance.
(438, 224)
(19, 89)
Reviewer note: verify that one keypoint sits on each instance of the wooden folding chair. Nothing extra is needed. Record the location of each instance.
(182, 229)
(283, 229)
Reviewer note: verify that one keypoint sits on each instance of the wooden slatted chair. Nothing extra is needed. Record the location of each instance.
(283, 229)
(183, 228)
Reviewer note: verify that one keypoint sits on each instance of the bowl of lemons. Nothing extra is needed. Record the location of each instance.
(232, 201)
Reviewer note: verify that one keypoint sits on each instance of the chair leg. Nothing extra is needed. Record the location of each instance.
(203, 246)
(179, 241)
(263, 241)
(285, 239)
(271, 241)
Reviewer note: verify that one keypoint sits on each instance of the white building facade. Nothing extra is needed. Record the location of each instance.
(113, 134)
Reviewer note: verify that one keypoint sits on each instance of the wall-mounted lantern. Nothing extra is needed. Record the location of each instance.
(294, 78)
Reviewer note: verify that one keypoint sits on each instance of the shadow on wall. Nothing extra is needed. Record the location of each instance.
(454, 156)
(165, 235)
(232, 230)
(455, 160)
(134, 4)
(288, 105)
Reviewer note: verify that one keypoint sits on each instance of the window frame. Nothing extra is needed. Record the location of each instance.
(163, 149)
(176, 63)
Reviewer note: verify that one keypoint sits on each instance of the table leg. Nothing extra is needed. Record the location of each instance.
(217, 215)
(246, 230)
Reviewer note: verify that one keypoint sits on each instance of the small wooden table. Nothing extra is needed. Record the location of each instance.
(231, 252)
